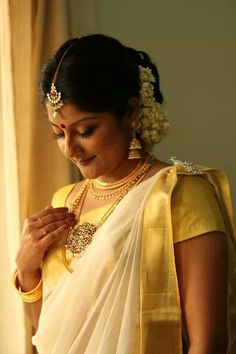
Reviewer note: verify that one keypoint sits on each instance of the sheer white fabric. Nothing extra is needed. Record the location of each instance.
(96, 308)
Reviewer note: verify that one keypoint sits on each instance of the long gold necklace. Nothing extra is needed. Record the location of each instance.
(81, 235)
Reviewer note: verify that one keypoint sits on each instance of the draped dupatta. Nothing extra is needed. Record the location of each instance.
(122, 297)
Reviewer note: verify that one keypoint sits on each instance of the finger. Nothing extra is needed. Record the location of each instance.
(55, 226)
(54, 236)
(41, 214)
(40, 220)
(36, 234)
(51, 218)
(43, 232)
(31, 226)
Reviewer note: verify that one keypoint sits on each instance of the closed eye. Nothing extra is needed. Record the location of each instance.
(87, 133)
(57, 135)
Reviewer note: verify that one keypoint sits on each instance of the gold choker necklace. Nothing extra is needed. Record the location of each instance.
(112, 185)
(127, 180)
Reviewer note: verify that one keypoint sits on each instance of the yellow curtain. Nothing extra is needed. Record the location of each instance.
(38, 28)
(31, 165)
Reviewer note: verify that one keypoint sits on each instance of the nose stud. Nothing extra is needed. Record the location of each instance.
(74, 159)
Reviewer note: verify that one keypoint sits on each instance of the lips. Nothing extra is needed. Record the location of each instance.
(82, 161)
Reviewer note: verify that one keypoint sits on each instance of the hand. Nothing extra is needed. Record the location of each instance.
(39, 232)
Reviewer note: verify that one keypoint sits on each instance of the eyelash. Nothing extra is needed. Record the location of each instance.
(84, 135)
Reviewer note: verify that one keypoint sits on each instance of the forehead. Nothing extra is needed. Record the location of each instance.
(68, 115)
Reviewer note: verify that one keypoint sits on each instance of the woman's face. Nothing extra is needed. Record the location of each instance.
(98, 141)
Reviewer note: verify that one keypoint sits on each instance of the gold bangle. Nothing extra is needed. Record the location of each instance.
(29, 296)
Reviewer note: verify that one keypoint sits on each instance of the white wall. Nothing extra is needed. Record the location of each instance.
(194, 44)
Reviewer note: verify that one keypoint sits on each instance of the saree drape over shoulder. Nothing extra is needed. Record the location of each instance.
(123, 297)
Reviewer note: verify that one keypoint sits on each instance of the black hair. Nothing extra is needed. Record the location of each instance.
(97, 74)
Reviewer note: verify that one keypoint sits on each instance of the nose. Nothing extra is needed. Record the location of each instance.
(71, 146)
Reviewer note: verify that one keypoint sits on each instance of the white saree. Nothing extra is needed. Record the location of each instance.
(96, 308)
(122, 297)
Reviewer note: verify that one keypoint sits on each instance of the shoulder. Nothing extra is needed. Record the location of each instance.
(193, 188)
(195, 206)
(196, 179)
(192, 185)
(193, 193)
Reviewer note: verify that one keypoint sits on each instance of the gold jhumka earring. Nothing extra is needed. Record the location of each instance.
(135, 146)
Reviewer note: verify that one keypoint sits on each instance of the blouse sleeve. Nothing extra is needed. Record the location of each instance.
(195, 209)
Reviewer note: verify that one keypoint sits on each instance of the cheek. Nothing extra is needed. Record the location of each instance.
(112, 142)
(61, 144)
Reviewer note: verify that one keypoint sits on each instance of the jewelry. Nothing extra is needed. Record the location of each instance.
(188, 166)
(80, 236)
(43, 227)
(104, 196)
(80, 197)
(29, 296)
(54, 96)
(112, 185)
(75, 159)
(110, 195)
(85, 232)
(135, 146)
(40, 219)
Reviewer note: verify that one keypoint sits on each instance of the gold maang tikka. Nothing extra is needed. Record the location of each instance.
(54, 96)
(54, 99)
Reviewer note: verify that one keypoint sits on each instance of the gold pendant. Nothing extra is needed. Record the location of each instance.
(80, 236)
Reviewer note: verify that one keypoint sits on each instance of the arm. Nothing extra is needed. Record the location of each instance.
(29, 281)
(40, 231)
(201, 264)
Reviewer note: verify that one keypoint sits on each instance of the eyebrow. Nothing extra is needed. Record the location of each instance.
(78, 121)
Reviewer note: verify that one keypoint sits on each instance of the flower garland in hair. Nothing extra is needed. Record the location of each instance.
(153, 124)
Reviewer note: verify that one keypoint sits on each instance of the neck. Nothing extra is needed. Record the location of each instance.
(123, 169)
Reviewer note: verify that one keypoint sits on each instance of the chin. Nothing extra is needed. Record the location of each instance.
(88, 173)
(93, 169)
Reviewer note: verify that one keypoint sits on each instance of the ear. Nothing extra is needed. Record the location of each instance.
(133, 111)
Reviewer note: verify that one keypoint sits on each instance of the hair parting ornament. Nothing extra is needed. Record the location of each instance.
(54, 97)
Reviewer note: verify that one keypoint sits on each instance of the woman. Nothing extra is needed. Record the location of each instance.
(130, 259)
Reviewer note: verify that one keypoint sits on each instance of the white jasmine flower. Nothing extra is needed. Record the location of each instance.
(153, 124)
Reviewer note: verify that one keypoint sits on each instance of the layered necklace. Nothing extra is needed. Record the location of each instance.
(81, 235)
